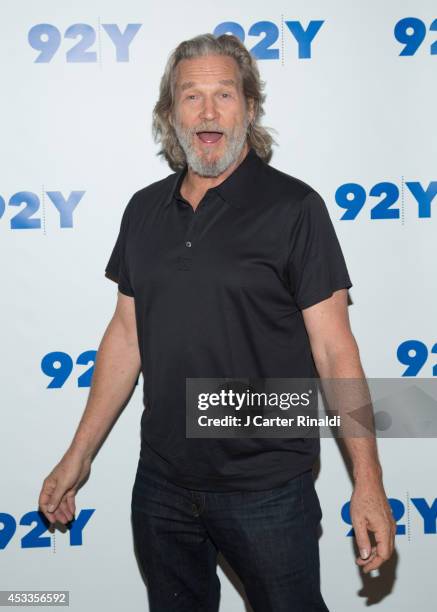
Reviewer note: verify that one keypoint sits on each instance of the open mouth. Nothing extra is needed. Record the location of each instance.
(209, 137)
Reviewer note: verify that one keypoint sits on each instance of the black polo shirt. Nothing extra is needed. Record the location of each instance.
(219, 293)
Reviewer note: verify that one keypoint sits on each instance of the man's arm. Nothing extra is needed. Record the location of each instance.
(116, 369)
(336, 356)
(115, 372)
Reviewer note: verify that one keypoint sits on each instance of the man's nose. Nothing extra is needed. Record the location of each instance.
(209, 110)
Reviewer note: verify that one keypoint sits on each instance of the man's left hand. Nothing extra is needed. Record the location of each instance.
(370, 511)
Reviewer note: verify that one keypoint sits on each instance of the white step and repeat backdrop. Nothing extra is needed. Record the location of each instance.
(351, 90)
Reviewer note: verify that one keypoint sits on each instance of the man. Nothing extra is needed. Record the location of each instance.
(225, 268)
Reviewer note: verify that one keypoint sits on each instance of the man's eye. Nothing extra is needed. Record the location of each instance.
(191, 96)
(226, 94)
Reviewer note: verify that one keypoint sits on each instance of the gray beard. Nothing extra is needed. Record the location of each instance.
(236, 140)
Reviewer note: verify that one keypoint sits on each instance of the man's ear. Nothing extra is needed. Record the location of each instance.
(251, 109)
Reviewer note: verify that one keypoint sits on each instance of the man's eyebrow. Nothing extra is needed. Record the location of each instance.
(229, 82)
(188, 84)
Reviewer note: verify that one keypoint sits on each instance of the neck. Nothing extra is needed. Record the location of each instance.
(194, 187)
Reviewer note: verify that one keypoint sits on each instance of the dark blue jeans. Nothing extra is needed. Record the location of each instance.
(269, 538)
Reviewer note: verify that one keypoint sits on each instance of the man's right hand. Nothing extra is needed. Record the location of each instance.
(59, 489)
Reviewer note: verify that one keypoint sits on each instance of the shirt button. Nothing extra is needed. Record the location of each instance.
(188, 243)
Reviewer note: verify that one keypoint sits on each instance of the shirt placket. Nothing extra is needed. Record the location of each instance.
(190, 233)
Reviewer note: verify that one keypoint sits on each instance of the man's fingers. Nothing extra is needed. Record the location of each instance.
(374, 564)
(60, 516)
(370, 558)
(64, 507)
(380, 553)
(362, 539)
(371, 512)
(71, 503)
(384, 544)
(49, 485)
(55, 499)
(64, 518)
(62, 512)
(59, 488)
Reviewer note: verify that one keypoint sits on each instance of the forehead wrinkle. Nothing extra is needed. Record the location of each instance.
(228, 82)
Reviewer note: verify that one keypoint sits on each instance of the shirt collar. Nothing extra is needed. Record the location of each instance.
(238, 189)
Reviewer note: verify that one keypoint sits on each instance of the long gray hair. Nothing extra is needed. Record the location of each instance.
(208, 44)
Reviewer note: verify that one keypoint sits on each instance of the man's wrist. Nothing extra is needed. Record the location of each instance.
(79, 450)
(367, 473)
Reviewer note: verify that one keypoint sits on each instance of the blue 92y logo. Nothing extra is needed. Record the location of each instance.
(26, 219)
(46, 39)
(58, 366)
(411, 33)
(414, 354)
(352, 197)
(34, 538)
(267, 47)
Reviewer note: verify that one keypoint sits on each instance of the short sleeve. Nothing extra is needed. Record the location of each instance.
(316, 266)
(116, 268)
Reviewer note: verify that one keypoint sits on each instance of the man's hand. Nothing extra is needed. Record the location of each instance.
(56, 499)
(370, 511)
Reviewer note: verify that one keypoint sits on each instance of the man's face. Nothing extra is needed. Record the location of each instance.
(210, 117)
